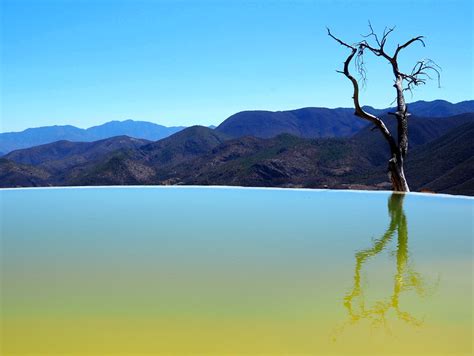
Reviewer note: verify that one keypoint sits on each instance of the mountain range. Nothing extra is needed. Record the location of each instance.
(324, 122)
(440, 157)
(306, 122)
(10, 141)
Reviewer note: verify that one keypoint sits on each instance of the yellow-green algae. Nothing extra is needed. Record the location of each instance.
(234, 271)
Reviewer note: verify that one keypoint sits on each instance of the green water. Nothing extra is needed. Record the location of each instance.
(129, 271)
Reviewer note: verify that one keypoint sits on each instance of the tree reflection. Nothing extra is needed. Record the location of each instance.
(405, 278)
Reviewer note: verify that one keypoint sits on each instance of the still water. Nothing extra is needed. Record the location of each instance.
(134, 271)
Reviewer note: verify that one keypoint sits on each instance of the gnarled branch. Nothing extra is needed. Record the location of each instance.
(359, 111)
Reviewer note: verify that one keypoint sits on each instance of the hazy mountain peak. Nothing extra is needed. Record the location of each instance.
(42, 135)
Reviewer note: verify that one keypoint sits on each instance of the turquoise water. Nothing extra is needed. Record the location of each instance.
(234, 271)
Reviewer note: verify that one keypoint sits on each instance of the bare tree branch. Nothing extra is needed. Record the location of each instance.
(381, 43)
(358, 108)
(421, 73)
(338, 40)
(406, 44)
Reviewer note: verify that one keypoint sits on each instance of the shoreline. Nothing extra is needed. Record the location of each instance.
(319, 190)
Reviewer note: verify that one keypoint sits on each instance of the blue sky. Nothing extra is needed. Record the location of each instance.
(190, 62)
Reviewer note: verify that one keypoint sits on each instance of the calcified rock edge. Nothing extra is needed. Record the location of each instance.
(210, 187)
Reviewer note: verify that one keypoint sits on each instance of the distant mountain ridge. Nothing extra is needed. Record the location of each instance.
(323, 122)
(61, 155)
(305, 123)
(431, 109)
(10, 141)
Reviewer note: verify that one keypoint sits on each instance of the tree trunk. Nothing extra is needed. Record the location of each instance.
(395, 165)
(396, 173)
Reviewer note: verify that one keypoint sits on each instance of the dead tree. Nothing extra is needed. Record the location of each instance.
(403, 82)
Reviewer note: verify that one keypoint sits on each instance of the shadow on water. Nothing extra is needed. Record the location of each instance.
(405, 277)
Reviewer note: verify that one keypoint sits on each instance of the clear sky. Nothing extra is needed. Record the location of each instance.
(85, 62)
